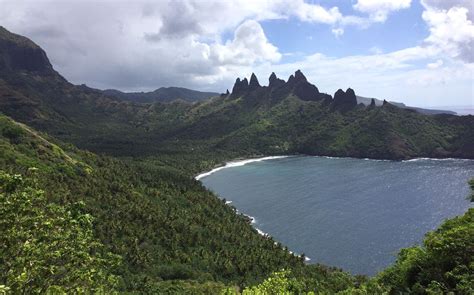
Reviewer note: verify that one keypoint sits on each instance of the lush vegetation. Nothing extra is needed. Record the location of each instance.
(46, 247)
(163, 224)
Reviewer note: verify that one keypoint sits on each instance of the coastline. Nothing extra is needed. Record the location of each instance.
(237, 163)
(241, 162)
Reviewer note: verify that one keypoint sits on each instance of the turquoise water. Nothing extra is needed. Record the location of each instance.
(350, 213)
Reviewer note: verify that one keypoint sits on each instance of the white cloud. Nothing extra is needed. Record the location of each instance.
(337, 32)
(146, 44)
(451, 31)
(379, 9)
(250, 45)
(434, 65)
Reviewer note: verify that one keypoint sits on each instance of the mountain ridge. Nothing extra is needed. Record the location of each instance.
(367, 100)
(281, 118)
(162, 94)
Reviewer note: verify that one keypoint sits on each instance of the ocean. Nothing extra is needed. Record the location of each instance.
(350, 213)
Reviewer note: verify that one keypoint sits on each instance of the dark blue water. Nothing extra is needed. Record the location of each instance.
(351, 213)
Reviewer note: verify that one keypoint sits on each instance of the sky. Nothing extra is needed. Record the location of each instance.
(417, 52)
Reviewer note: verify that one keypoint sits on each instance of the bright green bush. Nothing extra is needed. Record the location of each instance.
(45, 247)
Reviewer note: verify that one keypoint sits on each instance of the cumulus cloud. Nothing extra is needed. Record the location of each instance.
(451, 28)
(250, 45)
(146, 44)
(380, 9)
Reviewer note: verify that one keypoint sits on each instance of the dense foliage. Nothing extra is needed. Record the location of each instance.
(444, 264)
(46, 247)
(163, 224)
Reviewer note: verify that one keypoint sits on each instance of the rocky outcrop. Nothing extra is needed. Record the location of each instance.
(299, 77)
(344, 101)
(253, 83)
(18, 53)
(372, 103)
(240, 87)
(297, 84)
(275, 82)
(304, 90)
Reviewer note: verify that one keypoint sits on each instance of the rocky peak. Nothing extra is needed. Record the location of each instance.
(18, 53)
(339, 94)
(240, 87)
(254, 82)
(291, 79)
(344, 101)
(300, 77)
(300, 86)
(350, 92)
(274, 81)
(372, 103)
(272, 77)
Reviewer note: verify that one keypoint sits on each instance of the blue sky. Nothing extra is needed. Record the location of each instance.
(292, 35)
(420, 52)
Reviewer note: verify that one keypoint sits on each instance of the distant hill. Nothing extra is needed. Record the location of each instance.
(163, 94)
(366, 101)
(285, 117)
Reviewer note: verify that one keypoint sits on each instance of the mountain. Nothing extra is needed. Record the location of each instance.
(285, 117)
(367, 101)
(163, 94)
(21, 54)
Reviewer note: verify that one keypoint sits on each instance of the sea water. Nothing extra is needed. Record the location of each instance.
(351, 213)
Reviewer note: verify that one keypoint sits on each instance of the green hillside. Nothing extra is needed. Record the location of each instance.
(163, 224)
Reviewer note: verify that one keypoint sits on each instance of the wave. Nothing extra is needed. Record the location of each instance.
(436, 159)
(253, 220)
(237, 164)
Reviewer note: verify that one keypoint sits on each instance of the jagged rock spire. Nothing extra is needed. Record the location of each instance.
(291, 79)
(350, 92)
(339, 94)
(240, 87)
(274, 82)
(253, 82)
(299, 76)
(372, 103)
(272, 78)
(344, 101)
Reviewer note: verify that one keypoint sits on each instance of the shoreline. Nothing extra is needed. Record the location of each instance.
(244, 161)
(237, 163)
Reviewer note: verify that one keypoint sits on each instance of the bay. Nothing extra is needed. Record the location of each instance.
(350, 213)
